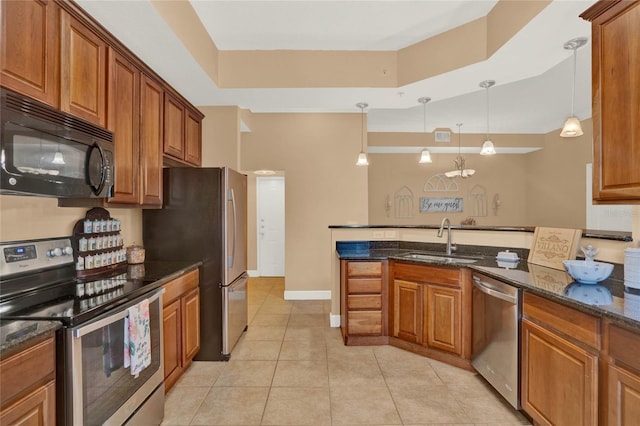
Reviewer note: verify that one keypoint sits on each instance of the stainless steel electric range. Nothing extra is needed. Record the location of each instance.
(93, 386)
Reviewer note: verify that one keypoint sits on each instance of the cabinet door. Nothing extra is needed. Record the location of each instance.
(192, 138)
(559, 379)
(83, 60)
(407, 311)
(29, 49)
(443, 320)
(191, 326)
(37, 408)
(123, 121)
(623, 397)
(616, 102)
(171, 316)
(173, 127)
(151, 141)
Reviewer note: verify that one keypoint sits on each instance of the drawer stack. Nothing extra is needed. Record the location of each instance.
(363, 300)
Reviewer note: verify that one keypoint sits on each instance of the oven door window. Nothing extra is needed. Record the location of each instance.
(106, 384)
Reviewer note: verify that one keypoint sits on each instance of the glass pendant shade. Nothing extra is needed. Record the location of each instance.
(362, 159)
(487, 148)
(58, 158)
(425, 157)
(459, 162)
(571, 128)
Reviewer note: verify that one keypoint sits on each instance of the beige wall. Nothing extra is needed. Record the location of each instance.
(556, 180)
(25, 218)
(542, 188)
(323, 186)
(221, 136)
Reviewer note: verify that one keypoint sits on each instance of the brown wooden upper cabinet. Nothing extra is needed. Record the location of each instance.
(151, 141)
(615, 30)
(30, 64)
(83, 66)
(182, 131)
(124, 121)
(54, 52)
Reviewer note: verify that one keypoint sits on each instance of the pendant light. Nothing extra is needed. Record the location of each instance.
(487, 146)
(459, 162)
(572, 127)
(362, 157)
(57, 157)
(425, 155)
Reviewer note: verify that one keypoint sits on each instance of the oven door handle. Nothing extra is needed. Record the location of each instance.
(493, 292)
(122, 313)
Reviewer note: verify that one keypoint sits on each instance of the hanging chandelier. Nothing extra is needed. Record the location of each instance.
(460, 169)
(362, 157)
(425, 155)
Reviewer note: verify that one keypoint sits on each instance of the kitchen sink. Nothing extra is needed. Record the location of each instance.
(453, 260)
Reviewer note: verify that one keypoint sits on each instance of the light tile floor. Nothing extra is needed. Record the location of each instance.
(291, 368)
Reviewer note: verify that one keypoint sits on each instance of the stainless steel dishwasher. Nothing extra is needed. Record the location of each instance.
(496, 335)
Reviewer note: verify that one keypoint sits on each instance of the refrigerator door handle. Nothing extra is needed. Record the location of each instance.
(231, 259)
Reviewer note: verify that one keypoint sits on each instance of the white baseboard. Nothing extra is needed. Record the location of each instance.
(307, 295)
(253, 273)
(334, 320)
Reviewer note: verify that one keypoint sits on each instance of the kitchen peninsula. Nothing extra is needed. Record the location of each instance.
(571, 345)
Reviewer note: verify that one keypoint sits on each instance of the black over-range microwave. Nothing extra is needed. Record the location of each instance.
(46, 152)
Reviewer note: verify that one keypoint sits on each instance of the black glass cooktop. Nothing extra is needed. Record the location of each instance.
(58, 295)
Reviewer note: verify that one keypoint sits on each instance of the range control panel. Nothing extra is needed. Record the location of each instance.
(25, 256)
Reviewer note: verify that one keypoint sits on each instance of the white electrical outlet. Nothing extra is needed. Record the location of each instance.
(389, 234)
(378, 234)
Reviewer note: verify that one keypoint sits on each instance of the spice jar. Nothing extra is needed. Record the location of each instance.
(135, 254)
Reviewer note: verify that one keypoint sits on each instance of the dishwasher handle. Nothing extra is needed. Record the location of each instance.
(477, 283)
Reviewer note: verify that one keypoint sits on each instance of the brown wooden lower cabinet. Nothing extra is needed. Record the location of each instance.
(27, 386)
(181, 325)
(560, 363)
(431, 311)
(623, 402)
(559, 379)
(443, 316)
(363, 299)
(407, 311)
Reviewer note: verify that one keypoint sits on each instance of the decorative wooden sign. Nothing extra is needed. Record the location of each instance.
(439, 205)
(553, 245)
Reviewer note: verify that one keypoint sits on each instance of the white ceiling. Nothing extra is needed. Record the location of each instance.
(532, 71)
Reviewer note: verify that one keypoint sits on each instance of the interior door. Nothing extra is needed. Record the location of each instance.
(271, 231)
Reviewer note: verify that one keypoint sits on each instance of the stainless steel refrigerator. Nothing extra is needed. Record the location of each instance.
(204, 218)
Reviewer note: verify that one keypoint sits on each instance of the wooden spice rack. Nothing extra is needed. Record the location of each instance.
(107, 235)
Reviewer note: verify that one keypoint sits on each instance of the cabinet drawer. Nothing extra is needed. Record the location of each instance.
(624, 346)
(427, 274)
(177, 287)
(355, 269)
(27, 369)
(361, 301)
(365, 322)
(578, 325)
(364, 285)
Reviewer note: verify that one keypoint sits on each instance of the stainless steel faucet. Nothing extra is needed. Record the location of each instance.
(445, 221)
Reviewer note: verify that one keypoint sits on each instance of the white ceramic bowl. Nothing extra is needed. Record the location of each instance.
(588, 272)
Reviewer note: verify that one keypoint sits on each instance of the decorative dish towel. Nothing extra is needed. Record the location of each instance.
(139, 337)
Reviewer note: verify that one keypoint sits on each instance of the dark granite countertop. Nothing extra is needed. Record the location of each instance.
(587, 233)
(610, 298)
(18, 335)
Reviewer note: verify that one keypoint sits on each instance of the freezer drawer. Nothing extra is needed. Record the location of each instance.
(234, 298)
